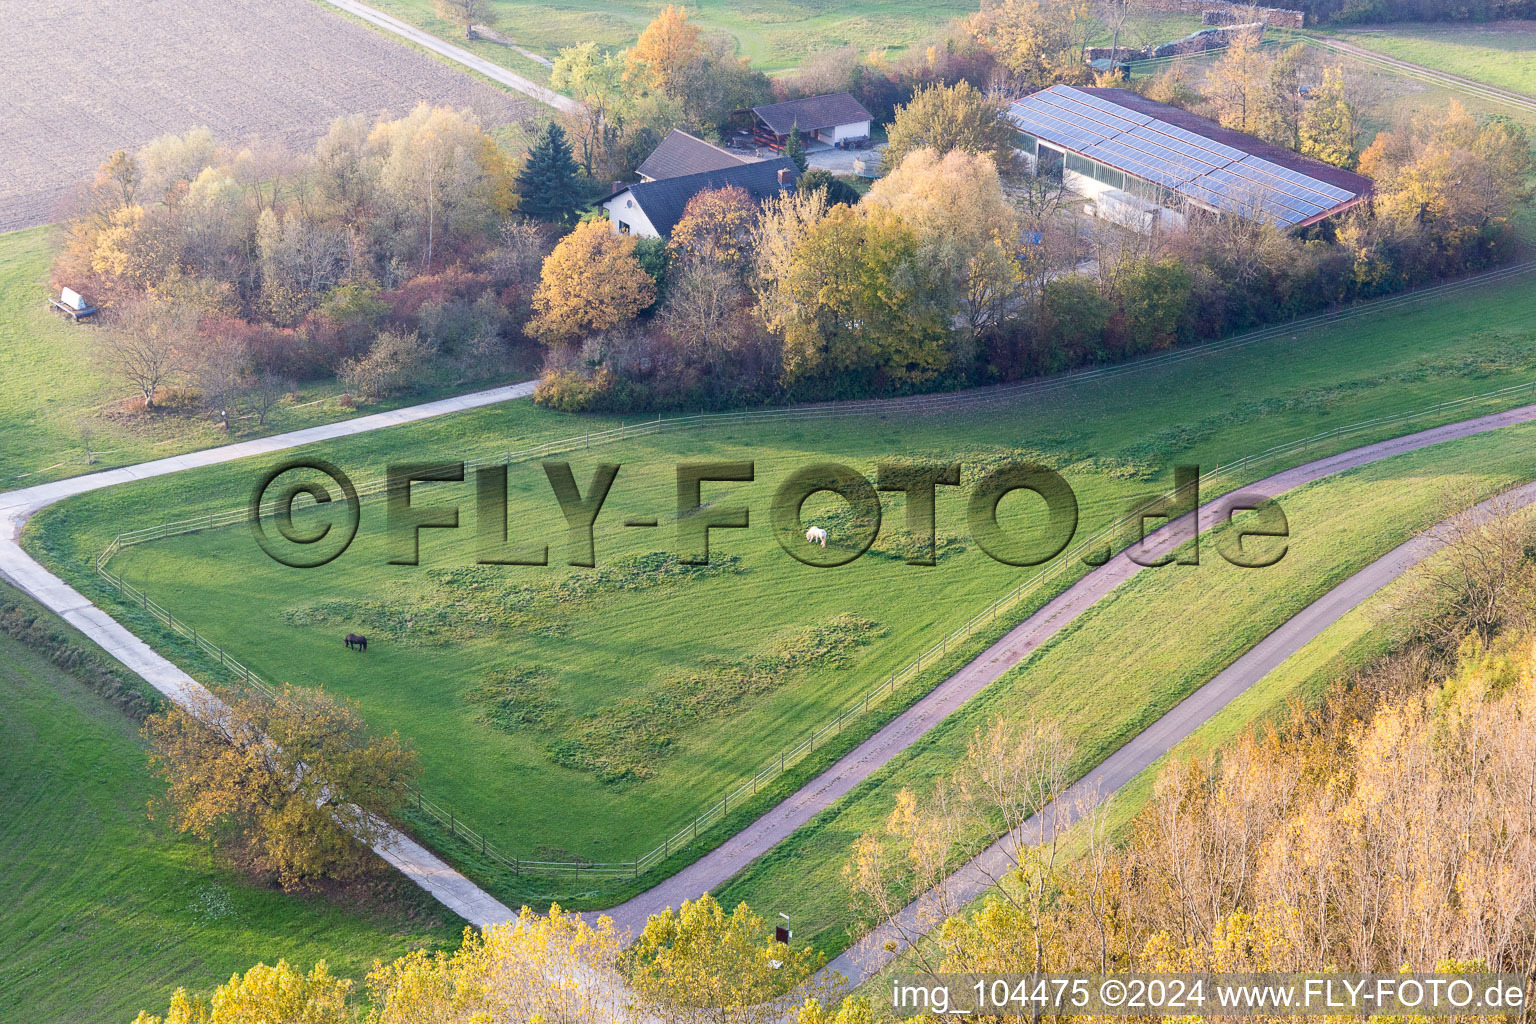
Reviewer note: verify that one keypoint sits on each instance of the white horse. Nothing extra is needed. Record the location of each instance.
(816, 535)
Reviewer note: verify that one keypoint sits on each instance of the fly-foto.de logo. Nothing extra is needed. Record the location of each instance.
(305, 513)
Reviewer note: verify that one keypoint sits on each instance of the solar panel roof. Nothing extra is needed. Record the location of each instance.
(1204, 170)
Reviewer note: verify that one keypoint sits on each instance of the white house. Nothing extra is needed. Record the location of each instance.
(651, 209)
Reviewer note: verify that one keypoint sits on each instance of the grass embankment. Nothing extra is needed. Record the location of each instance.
(1500, 53)
(528, 690)
(56, 402)
(1151, 643)
(106, 912)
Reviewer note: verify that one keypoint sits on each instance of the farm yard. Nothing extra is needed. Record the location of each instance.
(517, 720)
(270, 69)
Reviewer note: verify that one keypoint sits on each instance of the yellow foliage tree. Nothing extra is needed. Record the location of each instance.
(1037, 41)
(715, 228)
(591, 282)
(699, 963)
(967, 230)
(852, 299)
(555, 967)
(669, 51)
(265, 994)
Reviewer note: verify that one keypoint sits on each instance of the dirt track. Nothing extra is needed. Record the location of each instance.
(94, 76)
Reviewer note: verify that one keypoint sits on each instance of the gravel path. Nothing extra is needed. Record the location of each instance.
(719, 865)
(417, 863)
(493, 71)
(993, 863)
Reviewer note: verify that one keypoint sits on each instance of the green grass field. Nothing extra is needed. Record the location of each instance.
(106, 912)
(1120, 667)
(56, 401)
(776, 36)
(527, 689)
(1500, 53)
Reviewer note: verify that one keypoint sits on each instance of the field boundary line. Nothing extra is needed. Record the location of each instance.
(421, 37)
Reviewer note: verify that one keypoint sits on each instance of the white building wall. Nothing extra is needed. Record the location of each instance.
(837, 133)
(623, 210)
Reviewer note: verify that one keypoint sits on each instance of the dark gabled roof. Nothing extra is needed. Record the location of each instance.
(663, 200)
(681, 153)
(812, 112)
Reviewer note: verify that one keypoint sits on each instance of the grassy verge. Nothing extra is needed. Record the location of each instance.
(1500, 53)
(1123, 665)
(106, 911)
(56, 402)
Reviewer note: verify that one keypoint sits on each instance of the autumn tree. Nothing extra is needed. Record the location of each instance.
(1330, 124)
(853, 300)
(716, 228)
(1449, 173)
(1038, 42)
(554, 967)
(943, 118)
(1013, 770)
(967, 230)
(220, 363)
(296, 776)
(591, 282)
(700, 964)
(443, 175)
(263, 993)
(547, 184)
(466, 14)
(595, 79)
(1237, 87)
(668, 54)
(147, 343)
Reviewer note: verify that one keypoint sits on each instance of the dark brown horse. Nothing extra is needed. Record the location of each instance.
(358, 642)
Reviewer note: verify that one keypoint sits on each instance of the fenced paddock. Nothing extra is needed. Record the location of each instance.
(84, 79)
(877, 691)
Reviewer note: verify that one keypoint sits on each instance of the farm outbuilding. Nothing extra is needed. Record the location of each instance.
(1146, 163)
(835, 119)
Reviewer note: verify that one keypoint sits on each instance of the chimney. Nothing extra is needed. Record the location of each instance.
(617, 186)
(786, 176)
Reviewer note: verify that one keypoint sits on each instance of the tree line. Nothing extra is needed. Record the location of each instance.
(960, 268)
(1388, 826)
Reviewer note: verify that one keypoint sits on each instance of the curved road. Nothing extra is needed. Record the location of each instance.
(993, 863)
(723, 862)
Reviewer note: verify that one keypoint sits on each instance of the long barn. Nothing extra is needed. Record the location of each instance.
(1146, 163)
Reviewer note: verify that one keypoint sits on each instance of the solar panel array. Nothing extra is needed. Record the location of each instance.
(1206, 171)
